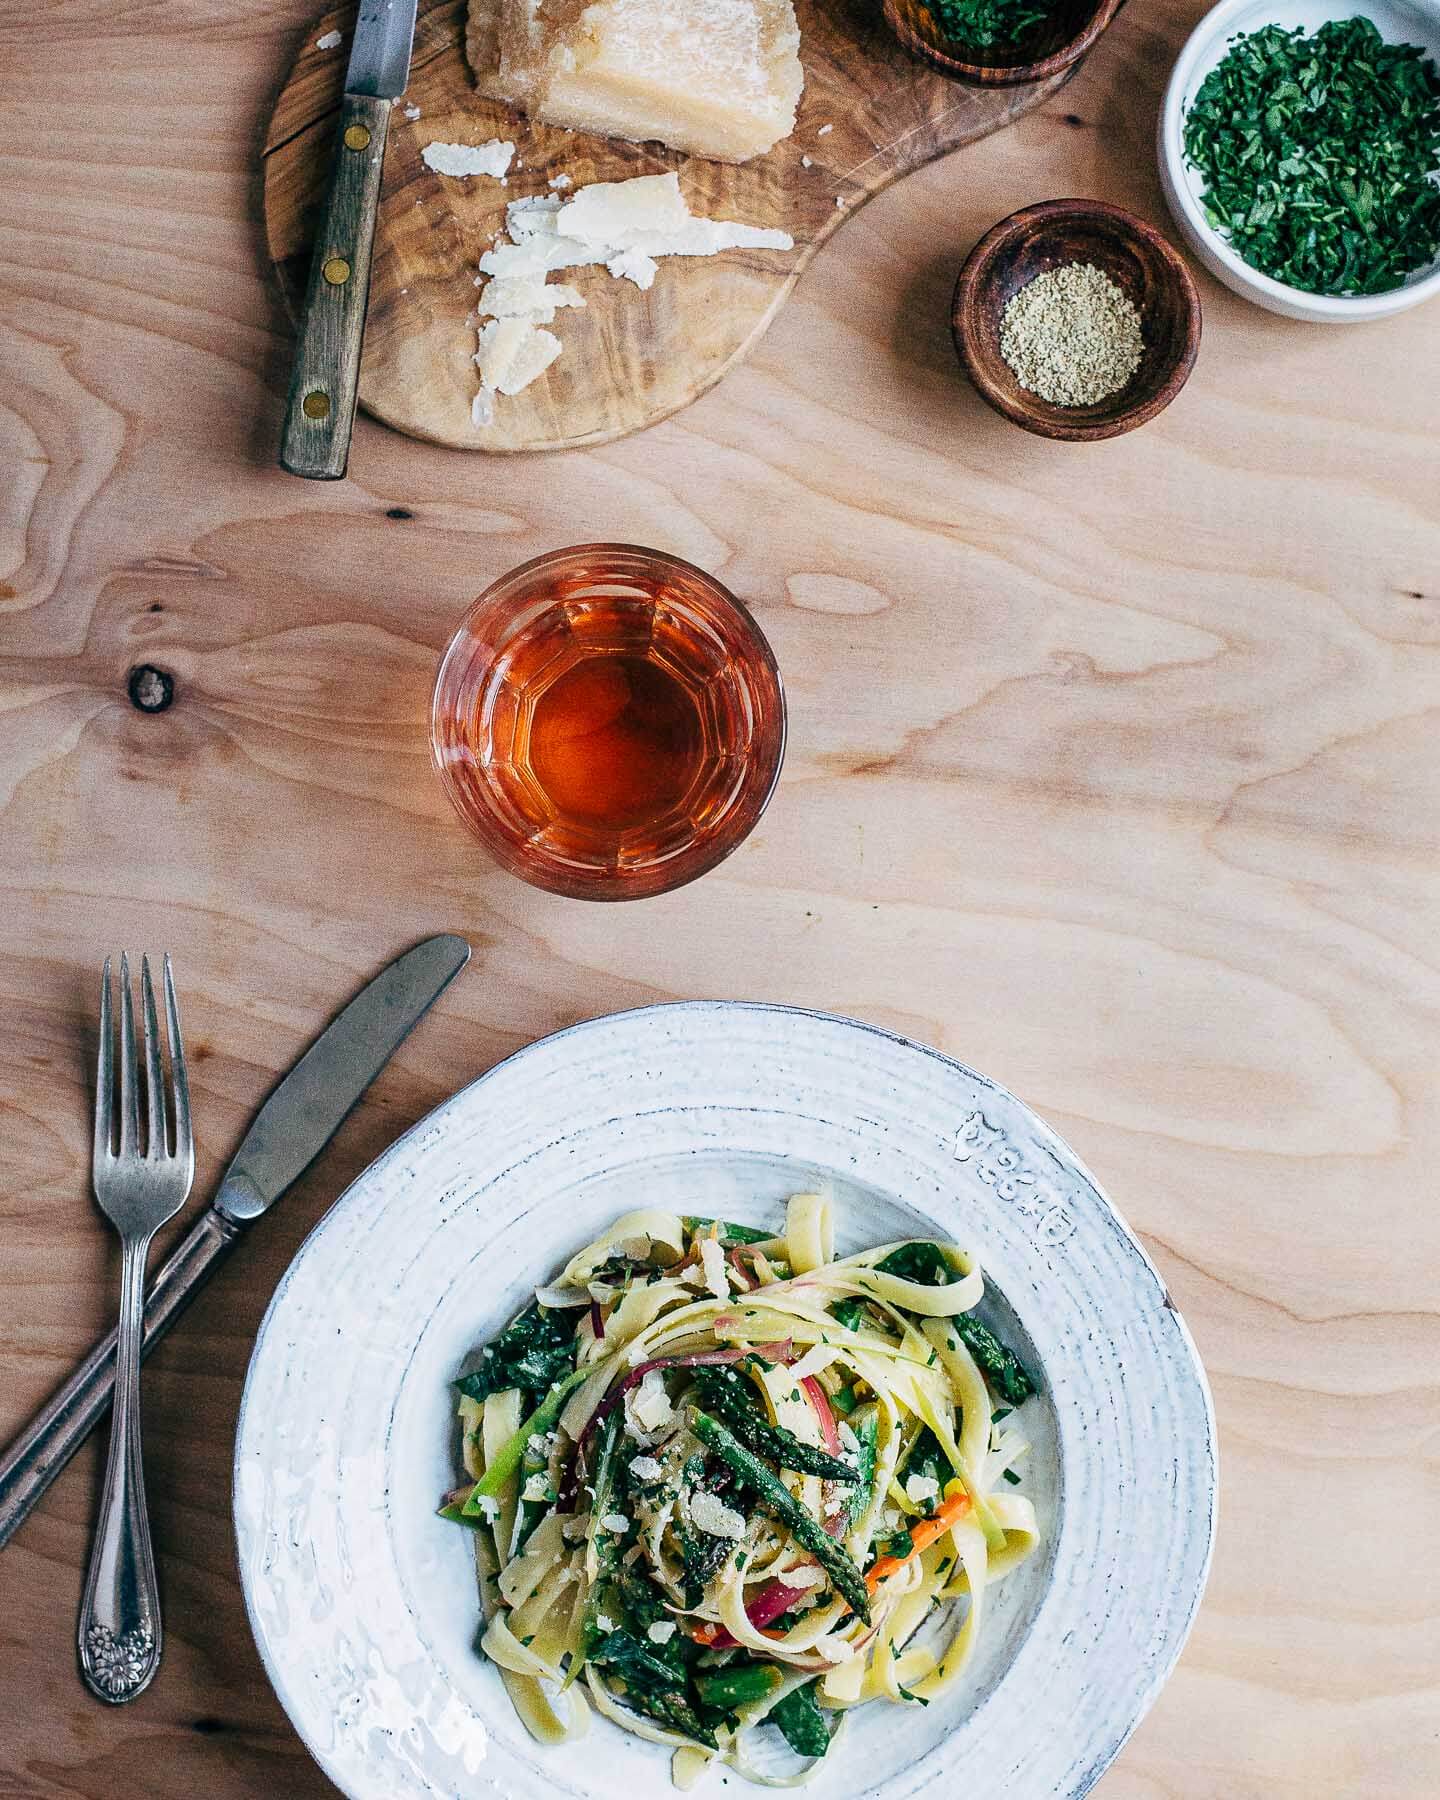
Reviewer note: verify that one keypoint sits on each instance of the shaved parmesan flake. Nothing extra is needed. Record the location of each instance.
(611, 212)
(921, 1488)
(532, 297)
(512, 353)
(661, 1631)
(634, 265)
(469, 159)
(712, 1515)
(712, 1260)
(332, 40)
(614, 1521)
(561, 181)
(650, 1403)
(624, 225)
(816, 1358)
(490, 1506)
(811, 1576)
(645, 1468)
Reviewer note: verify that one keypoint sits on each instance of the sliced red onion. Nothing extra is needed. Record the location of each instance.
(821, 1403)
(695, 1359)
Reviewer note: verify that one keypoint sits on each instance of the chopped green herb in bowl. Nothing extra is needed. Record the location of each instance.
(1302, 160)
(1317, 154)
(997, 43)
(986, 24)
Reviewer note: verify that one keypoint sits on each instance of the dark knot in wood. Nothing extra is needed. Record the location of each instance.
(150, 689)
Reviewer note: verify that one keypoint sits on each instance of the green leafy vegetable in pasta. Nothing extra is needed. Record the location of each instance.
(538, 1348)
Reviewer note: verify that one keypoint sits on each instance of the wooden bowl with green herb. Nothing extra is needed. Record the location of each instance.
(1092, 306)
(999, 43)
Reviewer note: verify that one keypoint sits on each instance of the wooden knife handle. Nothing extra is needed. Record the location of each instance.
(325, 381)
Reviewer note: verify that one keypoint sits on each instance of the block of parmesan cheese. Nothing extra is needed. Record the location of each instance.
(718, 78)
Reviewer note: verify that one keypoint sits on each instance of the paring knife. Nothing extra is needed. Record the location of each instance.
(325, 380)
(294, 1125)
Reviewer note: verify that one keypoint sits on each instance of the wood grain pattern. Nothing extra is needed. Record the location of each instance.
(869, 114)
(1113, 770)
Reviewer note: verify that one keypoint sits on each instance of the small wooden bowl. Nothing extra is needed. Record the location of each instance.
(1056, 43)
(1137, 259)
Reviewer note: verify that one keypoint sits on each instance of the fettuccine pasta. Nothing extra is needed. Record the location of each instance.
(723, 1483)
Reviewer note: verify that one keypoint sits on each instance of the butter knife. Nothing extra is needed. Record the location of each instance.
(325, 379)
(294, 1125)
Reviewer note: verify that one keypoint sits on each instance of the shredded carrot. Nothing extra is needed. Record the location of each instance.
(922, 1535)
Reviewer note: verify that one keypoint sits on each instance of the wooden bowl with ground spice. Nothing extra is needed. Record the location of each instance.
(1076, 320)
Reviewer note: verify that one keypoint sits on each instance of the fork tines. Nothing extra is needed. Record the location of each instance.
(160, 1145)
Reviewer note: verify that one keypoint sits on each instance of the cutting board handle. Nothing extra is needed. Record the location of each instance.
(325, 380)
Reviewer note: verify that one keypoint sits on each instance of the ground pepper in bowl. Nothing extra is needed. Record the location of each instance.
(1071, 336)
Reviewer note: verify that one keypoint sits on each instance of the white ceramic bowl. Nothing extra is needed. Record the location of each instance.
(363, 1602)
(1398, 21)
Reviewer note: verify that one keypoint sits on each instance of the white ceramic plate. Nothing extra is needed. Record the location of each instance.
(363, 1602)
(1398, 22)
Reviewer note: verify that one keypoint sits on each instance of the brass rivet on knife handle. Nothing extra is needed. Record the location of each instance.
(325, 380)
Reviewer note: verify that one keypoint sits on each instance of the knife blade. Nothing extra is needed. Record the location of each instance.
(380, 51)
(302, 1114)
(325, 379)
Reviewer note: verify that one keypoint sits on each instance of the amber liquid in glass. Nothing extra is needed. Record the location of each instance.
(616, 739)
(610, 720)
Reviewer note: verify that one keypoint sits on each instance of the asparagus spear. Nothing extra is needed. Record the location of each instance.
(729, 1689)
(778, 1501)
(733, 1398)
(1008, 1375)
(512, 1451)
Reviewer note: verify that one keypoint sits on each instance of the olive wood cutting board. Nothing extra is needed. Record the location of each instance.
(870, 113)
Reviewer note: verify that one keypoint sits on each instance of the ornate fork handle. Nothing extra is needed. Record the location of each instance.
(120, 1637)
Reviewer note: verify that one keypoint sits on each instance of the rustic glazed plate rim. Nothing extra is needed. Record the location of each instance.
(791, 1032)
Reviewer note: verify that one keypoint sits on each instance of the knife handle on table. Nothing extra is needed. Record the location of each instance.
(325, 380)
(53, 1436)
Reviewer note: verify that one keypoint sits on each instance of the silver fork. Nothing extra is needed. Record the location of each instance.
(120, 1636)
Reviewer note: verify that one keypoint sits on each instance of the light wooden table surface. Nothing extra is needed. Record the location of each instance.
(1113, 770)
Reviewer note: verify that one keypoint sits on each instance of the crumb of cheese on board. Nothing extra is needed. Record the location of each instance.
(461, 160)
